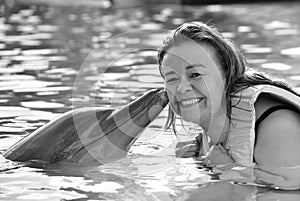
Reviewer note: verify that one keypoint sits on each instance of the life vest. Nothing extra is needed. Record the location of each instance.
(241, 138)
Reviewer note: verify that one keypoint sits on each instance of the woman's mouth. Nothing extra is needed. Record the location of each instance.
(189, 102)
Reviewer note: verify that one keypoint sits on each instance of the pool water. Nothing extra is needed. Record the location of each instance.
(54, 58)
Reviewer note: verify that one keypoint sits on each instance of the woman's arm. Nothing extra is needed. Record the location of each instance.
(278, 140)
(277, 150)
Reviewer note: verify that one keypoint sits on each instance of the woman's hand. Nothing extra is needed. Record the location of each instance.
(218, 155)
(189, 148)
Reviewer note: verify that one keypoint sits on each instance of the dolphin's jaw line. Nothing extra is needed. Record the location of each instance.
(132, 131)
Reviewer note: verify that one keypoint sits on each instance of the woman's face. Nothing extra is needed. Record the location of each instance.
(194, 82)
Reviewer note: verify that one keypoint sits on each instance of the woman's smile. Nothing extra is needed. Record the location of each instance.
(190, 102)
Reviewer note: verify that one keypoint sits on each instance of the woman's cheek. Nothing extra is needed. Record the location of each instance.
(174, 107)
(173, 102)
(170, 91)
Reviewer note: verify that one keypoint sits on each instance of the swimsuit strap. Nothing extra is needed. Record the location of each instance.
(267, 113)
(270, 111)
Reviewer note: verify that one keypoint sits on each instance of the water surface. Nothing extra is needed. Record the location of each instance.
(55, 58)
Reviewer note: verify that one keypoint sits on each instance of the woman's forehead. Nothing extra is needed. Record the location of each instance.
(188, 53)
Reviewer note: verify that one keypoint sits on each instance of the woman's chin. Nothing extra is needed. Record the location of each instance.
(190, 117)
(201, 121)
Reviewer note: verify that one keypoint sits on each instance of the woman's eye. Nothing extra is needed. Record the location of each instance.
(194, 75)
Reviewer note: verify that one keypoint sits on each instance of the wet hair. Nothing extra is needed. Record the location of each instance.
(230, 59)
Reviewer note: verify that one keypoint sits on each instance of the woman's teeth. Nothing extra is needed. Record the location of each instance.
(190, 101)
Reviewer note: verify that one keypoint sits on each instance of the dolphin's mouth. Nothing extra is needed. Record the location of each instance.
(138, 111)
(131, 119)
(157, 97)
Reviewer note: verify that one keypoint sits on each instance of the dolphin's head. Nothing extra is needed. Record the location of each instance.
(138, 114)
(116, 131)
(90, 134)
(146, 108)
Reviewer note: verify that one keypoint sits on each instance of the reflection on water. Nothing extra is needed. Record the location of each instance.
(55, 58)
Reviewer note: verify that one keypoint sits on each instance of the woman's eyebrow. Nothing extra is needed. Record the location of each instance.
(170, 73)
(193, 66)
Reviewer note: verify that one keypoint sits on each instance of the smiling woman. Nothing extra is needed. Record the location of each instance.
(194, 82)
(241, 113)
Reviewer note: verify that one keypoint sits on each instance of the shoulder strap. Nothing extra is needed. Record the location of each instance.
(270, 111)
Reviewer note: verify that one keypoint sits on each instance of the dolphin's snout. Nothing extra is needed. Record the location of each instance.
(164, 97)
(161, 97)
(159, 102)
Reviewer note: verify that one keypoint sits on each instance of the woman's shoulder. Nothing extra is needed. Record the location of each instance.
(275, 113)
(278, 136)
(283, 117)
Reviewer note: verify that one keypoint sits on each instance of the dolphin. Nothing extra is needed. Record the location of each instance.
(90, 134)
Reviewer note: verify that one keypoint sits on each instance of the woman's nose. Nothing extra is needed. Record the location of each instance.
(183, 86)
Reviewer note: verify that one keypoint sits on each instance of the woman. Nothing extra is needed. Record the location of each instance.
(247, 118)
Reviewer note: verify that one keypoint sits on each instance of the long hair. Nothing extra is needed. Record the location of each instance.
(232, 62)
